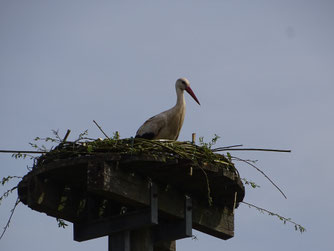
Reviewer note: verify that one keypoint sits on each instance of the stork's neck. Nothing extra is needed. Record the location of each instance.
(180, 102)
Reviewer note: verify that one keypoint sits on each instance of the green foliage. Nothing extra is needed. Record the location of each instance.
(4, 181)
(61, 223)
(19, 155)
(55, 139)
(210, 144)
(229, 156)
(7, 193)
(89, 148)
(116, 135)
(297, 226)
(82, 136)
(251, 183)
(206, 147)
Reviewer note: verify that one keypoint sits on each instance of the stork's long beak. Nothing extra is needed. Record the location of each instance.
(191, 93)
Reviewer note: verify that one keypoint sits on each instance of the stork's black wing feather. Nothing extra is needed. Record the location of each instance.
(149, 135)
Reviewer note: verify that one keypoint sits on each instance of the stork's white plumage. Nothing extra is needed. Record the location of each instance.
(167, 125)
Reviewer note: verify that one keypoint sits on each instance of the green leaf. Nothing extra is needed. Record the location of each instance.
(61, 223)
(89, 148)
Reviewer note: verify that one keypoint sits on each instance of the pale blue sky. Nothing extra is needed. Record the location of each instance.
(262, 70)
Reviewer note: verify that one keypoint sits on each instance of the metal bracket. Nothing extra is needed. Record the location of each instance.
(178, 229)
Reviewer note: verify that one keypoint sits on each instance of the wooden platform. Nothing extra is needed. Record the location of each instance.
(105, 185)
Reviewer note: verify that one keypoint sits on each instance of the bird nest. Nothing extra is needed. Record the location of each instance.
(166, 150)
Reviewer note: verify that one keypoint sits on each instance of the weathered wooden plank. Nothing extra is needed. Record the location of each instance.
(53, 198)
(110, 181)
(165, 246)
(104, 227)
(91, 229)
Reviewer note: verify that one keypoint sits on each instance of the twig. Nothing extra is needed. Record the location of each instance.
(56, 133)
(8, 178)
(18, 151)
(101, 129)
(7, 193)
(208, 186)
(10, 218)
(219, 149)
(258, 169)
(297, 226)
(66, 135)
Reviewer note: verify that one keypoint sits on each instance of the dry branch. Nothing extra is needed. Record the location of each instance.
(101, 129)
(22, 151)
(220, 149)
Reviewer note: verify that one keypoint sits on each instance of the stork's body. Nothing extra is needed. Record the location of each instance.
(167, 125)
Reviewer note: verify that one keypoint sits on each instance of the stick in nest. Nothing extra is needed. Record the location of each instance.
(229, 148)
(101, 129)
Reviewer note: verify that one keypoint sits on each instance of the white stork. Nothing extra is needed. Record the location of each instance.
(167, 125)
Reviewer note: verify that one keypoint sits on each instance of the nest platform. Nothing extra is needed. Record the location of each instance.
(107, 192)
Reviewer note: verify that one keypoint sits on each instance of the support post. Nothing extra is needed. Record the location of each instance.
(119, 241)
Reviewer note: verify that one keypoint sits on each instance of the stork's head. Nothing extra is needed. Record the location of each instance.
(183, 84)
